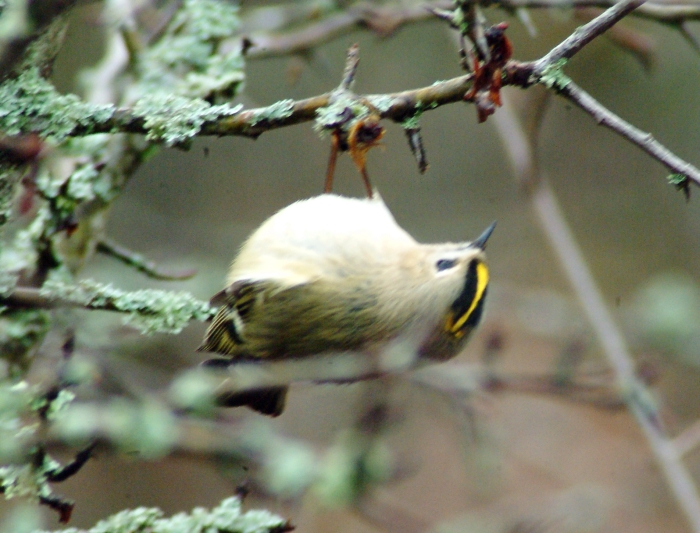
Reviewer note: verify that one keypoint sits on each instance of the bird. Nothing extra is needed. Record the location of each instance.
(333, 273)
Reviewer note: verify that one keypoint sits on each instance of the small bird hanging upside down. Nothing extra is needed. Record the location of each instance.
(337, 274)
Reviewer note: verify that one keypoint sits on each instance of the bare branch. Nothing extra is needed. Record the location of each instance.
(669, 12)
(389, 18)
(585, 34)
(644, 140)
(140, 263)
(382, 20)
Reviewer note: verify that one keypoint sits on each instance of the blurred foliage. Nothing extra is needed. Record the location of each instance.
(665, 315)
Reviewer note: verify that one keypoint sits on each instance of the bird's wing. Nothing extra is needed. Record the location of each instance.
(227, 331)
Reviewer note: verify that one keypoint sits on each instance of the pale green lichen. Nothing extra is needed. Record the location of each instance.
(412, 122)
(8, 282)
(85, 184)
(10, 176)
(351, 466)
(382, 102)
(58, 405)
(22, 252)
(677, 179)
(150, 310)
(175, 119)
(553, 75)
(186, 60)
(277, 111)
(336, 113)
(21, 332)
(29, 103)
(14, 21)
(18, 402)
(194, 391)
(15, 433)
(228, 517)
(289, 467)
(148, 428)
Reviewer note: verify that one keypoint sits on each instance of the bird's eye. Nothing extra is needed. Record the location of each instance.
(444, 264)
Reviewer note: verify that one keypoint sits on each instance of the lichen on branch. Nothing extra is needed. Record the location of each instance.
(149, 310)
(228, 517)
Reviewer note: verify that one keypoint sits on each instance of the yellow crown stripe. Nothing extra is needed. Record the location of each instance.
(482, 280)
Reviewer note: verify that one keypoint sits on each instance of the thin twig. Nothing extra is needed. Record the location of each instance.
(391, 17)
(382, 20)
(140, 263)
(415, 143)
(585, 34)
(643, 140)
(351, 62)
(668, 12)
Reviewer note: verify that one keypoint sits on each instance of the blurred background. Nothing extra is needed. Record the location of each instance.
(516, 459)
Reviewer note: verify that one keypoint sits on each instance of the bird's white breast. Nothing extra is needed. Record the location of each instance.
(321, 236)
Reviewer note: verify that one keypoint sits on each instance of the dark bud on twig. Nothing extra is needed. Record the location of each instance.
(415, 143)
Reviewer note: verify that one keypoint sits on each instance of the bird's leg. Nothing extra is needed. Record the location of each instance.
(330, 171)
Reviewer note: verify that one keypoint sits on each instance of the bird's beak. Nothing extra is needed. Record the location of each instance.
(480, 242)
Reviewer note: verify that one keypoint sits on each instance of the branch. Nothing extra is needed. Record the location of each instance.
(643, 140)
(389, 18)
(383, 20)
(140, 263)
(660, 11)
(197, 117)
(254, 122)
(150, 310)
(585, 34)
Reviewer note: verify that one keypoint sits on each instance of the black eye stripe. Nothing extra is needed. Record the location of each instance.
(444, 264)
(465, 300)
